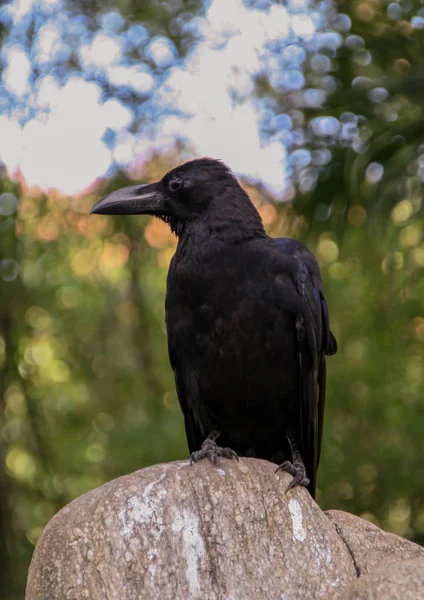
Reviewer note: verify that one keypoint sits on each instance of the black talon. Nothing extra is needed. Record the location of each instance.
(287, 467)
(212, 451)
(298, 474)
(296, 469)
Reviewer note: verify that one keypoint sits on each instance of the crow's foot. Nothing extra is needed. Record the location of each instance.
(297, 471)
(212, 451)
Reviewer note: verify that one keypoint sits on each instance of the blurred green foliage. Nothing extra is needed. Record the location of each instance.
(86, 391)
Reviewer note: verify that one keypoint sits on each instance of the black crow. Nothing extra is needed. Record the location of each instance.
(247, 321)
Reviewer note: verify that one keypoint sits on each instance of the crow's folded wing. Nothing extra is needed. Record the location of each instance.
(315, 340)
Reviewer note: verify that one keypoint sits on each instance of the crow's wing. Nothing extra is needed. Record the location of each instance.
(315, 340)
(300, 251)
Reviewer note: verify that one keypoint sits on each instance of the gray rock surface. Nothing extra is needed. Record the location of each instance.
(370, 546)
(178, 532)
(402, 581)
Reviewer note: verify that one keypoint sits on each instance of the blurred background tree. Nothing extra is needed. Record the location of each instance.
(317, 106)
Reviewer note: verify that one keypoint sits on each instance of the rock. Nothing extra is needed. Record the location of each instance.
(371, 547)
(402, 581)
(178, 532)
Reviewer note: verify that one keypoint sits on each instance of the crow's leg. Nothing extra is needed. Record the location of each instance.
(211, 450)
(296, 468)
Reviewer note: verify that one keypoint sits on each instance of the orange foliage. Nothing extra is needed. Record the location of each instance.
(158, 234)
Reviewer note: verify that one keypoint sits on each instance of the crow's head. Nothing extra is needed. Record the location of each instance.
(199, 191)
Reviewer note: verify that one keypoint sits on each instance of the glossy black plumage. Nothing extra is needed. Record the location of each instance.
(247, 321)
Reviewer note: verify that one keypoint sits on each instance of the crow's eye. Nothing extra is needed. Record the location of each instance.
(175, 184)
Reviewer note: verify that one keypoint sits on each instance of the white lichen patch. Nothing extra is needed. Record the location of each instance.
(181, 466)
(143, 508)
(322, 552)
(299, 532)
(186, 524)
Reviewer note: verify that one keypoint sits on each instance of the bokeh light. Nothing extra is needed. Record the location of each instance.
(121, 106)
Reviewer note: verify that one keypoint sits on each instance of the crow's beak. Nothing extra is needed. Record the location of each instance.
(132, 200)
